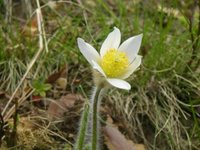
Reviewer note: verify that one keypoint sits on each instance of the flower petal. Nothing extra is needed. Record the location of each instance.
(88, 51)
(132, 67)
(119, 83)
(112, 41)
(98, 67)
(131, 46)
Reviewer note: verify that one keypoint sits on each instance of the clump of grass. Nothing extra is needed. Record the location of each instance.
(156, 114)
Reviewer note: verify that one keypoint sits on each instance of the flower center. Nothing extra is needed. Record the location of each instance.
(114, 63)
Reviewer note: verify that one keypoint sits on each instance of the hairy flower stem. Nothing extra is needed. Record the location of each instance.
(85, 119)
(94, 118)
(83, 128)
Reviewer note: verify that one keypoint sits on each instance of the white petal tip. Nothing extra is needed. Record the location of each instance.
(80, 40)
(121, 84)
(87, 50)
(140, 35)
(112, 41)
(115, 28)
(128, 88)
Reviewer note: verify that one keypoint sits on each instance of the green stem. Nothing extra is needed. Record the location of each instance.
(83, 128)
(95, 119)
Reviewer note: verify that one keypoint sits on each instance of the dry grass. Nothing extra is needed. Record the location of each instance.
(157, 115)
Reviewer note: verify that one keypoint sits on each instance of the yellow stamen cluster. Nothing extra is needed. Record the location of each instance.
(114, 63)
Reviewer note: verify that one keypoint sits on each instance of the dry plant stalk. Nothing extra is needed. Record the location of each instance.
(41, 47)
(8, 17)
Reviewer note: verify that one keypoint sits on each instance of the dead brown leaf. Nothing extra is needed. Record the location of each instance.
(31, 28)
(55, 76)
(57, 108)
(2, 94)
(139, 146)
(115, 140)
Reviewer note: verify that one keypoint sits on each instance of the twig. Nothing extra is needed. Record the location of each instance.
(28, 7)
(8, 4)
(41, 27)
(13, 135)
(20, 101)
(1, 128)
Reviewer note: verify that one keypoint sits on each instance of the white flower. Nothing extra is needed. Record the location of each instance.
(115, 62)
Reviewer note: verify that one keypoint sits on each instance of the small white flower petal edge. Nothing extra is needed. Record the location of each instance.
(130, 47)
(132, 67)
(112, 41)
(98, 68)
(121, 84)
(88, 51)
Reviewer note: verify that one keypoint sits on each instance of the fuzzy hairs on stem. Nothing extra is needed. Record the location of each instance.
(89, 123)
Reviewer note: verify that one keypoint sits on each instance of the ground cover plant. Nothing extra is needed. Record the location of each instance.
(45, 82)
